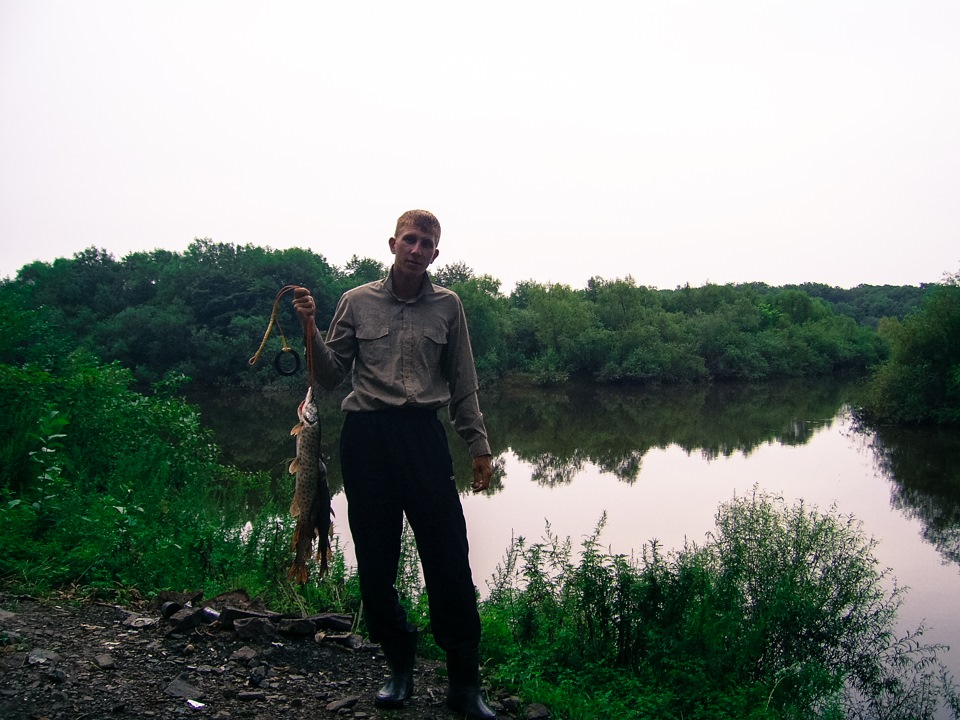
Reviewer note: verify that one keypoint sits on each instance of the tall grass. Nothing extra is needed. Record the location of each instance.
(782, 612)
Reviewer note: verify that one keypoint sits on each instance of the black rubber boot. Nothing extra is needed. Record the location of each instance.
(464, 695)
(401, 653)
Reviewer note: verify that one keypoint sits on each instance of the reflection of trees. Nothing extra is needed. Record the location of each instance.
(252, 428)
(550, 471)
(559, 430)
(923, 465)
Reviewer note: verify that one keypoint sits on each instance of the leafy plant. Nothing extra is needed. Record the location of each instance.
(781, 613)
(920, 381)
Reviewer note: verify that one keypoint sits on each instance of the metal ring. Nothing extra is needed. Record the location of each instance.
(279, 367)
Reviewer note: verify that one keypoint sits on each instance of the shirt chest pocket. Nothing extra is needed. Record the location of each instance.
(374, 344)
(432, 344)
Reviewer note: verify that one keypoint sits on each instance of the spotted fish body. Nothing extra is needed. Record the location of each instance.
(311, 499)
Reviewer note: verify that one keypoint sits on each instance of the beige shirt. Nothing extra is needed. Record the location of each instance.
(412, 353)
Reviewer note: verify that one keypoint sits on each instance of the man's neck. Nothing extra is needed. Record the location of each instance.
(406, 287)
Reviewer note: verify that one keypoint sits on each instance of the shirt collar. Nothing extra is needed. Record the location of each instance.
(426, 286)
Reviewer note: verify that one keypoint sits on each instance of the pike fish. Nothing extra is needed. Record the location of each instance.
(311, 499)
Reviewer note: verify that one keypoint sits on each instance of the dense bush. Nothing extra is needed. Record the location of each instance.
(920, 381)
(781, 613)
(107, 488)
(202, 313)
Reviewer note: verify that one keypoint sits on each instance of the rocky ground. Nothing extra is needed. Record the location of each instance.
(174, 659)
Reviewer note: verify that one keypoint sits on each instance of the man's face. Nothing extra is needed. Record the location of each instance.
(415, 248)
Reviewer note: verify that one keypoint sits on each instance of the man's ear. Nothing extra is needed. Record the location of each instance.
(435, 253)
(393, 243)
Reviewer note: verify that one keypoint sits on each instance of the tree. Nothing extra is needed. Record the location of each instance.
(920, 381)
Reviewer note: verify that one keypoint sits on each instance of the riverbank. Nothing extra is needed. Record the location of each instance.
(61, 660)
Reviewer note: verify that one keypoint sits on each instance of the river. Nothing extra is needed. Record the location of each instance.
(659, 463)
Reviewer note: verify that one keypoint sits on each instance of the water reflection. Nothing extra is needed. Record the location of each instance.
(559, 431)
(252, 428)
(923, 465)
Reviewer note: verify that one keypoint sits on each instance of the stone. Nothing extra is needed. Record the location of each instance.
(337, 622)
(139, 621)
(181, 688)
(105, 662)
(297, 626)
(230, 615)
(244, 654)
(537, 711)
(57, 676)
(511, 704)
(40, 656)
(186, 619)
(343, 704)
(255, 628)
(258, 676)
(348, 640)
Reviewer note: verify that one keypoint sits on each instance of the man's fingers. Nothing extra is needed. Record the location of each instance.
(482, 472)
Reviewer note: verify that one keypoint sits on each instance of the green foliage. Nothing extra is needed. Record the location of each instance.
(202, 313)
(865, 304)
(920, 381)
(782, 613)
(486, 309)
(107, 488)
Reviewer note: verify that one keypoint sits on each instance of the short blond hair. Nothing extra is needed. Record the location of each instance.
(420, 219)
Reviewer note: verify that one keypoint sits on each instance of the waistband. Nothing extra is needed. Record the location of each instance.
(411, 411)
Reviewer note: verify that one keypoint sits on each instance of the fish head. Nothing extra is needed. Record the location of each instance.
(307, 411)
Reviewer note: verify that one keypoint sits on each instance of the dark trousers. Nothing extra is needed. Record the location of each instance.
(397, 462)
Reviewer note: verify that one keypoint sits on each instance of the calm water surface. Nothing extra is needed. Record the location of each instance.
(660, 463)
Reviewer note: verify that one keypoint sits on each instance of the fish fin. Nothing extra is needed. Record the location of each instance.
(294, 466)
(295, 430)
(295, 510)
(298, 573)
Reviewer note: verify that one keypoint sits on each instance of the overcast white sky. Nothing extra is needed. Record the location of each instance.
(672, 141)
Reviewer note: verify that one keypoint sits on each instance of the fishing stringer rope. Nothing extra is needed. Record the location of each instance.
(286, 345)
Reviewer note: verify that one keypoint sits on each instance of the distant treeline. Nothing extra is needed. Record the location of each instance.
(202, 313)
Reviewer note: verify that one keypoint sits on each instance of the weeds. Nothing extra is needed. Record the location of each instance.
(781, 613)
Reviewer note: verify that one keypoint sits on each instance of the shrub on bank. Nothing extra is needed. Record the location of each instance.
(781, 613)
(920, 382)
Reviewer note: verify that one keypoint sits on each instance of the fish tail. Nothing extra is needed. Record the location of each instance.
(298, 573)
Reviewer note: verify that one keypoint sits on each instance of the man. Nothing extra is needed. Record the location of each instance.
(406, 343)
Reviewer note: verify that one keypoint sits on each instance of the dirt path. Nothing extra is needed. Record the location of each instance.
(64, 661)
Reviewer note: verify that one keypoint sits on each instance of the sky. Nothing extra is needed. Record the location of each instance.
(670, 141)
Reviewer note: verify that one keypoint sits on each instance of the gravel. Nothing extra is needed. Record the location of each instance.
(96, 660)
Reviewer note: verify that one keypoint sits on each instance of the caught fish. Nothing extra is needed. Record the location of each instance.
(311, 499)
